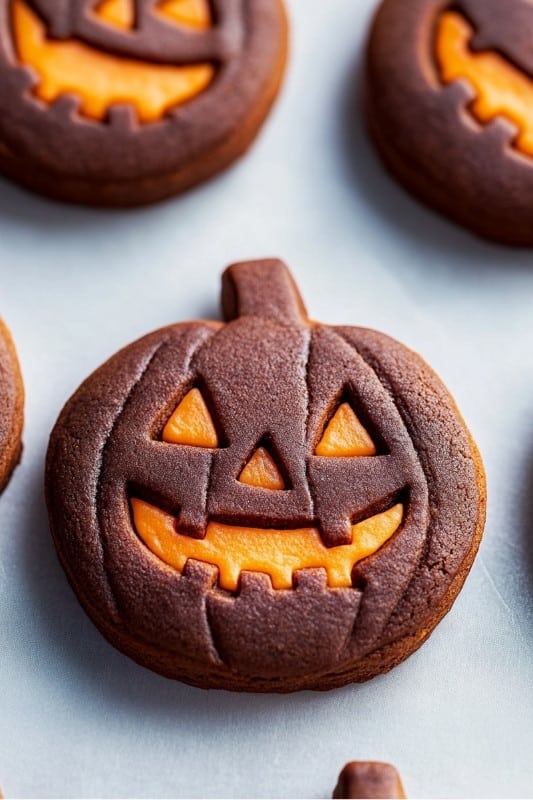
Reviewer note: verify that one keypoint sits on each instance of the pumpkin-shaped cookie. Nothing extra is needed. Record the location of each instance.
(11, 406)
(449, 99)
(122, 102)
(267, 503)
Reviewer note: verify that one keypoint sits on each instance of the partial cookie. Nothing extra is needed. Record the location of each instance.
(11, 406)
(449, 98)
(125, 102)
(369, 779)
(268, 504)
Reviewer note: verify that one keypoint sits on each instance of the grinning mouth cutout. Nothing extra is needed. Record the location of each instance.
(276, 552)
(502, 89)
(99, 79)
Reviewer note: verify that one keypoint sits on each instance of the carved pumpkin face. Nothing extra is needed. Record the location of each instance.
(245, 506)
(459, 100)
(87, 67)
(130, 90)
(501, 88)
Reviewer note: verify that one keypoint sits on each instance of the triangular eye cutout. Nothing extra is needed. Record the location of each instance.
(191, 423)
(120, 13)
(345, 436)
(192, 13)
(261, 471)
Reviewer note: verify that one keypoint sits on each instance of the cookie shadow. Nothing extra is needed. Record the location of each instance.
(42, 216)
(83, 665)
(23, 207)
(405, 215)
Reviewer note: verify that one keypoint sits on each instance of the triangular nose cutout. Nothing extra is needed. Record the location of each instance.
(345, 436)
(191, 423)
(261, 471)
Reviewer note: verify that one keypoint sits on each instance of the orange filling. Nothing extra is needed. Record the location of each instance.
(261, 471)
(501, 88)
(120, 13)
(194, 13)
(102, 80)
(345, 436)
(278, 553)
(191, 423)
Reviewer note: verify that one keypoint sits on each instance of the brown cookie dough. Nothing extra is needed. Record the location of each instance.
(449, 99)
(268, 504)
(369, 779)
(11, 407)
(126, 102)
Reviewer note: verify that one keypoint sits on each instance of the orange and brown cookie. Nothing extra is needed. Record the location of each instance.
(124, 102)
(369, 780)
(449, 99)
(265, 504)
(11, 406)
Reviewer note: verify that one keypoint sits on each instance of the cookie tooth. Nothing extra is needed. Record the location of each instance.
(203, 575)
(256, 599)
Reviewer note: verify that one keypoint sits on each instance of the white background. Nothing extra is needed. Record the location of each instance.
(79, 719)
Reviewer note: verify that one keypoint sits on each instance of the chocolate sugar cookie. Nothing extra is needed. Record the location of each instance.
(124, 102)
(265, 504)
(11, 406)
(369, 779)
(449, 98)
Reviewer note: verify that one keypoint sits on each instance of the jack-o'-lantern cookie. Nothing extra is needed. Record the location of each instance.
(449, 99)
(267, 504)
(11, 407)
(124, 102)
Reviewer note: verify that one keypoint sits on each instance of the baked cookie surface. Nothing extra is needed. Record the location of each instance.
(125, 102)
(369, 779)
(11, 406)
(448, 99)
(268, 504)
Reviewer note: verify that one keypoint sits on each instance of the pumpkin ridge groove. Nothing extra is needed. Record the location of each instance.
(373, 364)
(309, 343)
(191, 368)
(383, 380)
(102, 455)
(199, 381)
(432, 502)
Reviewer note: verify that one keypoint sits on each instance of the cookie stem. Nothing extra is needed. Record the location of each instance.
(262, 289)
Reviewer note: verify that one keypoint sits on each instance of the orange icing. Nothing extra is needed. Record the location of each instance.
(261, 471)
(501, 88)
(345, 436)
(191, 13)
(120, 13)
(98, 78)
(194, 13)
(278, 553)
(191, 423)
